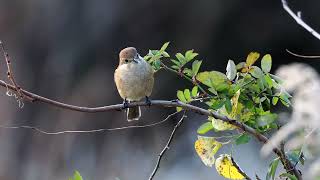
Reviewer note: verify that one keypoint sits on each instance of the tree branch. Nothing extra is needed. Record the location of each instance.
(298, 19)
(167, 146)
(161, 103)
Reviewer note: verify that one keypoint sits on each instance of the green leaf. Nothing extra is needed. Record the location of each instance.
(77, 176)
(181, 58)
(228, 105)
(190, 55)
(274, 100)
(188, 72)
(231, 70)
(256, 72)
(194, 91)
(290, 176)
(215, 104)
(165, 54)
(181, 97)
(252, 58)
(164, 46)
(213, 91)
(176, 62)
(179, 109)
(272, 169)
(263, 99)
(155, 57)
(175, 67)
(266, 119)
(266, 63)
(260, 84)
(284, 98)
(156, 64)
(256, 100)
(295, 156)
(204, 128)
(187, 95)
(214, 79)
(268, 80)
(243, 139)
(195, 67)
(277, 78)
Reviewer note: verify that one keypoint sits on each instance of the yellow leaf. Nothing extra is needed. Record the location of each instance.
(235, 100)
(227, 168)
(252, 58)
(220, 125)
(206, 148)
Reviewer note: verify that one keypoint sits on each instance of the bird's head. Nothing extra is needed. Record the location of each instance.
(129, 55)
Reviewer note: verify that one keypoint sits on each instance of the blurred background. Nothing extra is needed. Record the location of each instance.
(68, 51)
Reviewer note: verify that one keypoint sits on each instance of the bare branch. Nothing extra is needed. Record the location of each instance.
(89, 131)
(9, 71)
(167, 146)
(298, 19)
(302, 56)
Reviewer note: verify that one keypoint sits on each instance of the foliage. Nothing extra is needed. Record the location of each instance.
(227, 168)
(76, 176)
(246, 92)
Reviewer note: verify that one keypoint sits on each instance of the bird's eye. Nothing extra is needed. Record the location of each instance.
(126, 60)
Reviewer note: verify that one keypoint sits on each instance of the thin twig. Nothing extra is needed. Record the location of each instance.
(89, 131)
(186, 77)
(167, 146)
(19, 97)
(298, 19)
(302, 56)
(9, 70)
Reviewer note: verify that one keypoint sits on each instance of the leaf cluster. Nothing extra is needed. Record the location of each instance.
(246, 92)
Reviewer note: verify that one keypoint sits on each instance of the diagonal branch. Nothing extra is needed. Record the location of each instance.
(161, 103)
(167, 146)
(298, 19)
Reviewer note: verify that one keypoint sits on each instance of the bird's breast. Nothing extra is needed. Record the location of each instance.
(134, 80)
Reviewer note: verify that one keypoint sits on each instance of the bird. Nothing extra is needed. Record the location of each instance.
(134, 79)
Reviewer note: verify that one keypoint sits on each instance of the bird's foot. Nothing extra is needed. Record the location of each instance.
(125, 104)
(148, 101)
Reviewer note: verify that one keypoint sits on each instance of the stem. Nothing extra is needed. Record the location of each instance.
(167, 146)
(186, 77)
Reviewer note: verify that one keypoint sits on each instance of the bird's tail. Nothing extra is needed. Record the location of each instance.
(134, 113)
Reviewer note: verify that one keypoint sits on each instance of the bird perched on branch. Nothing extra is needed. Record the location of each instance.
(134, 80)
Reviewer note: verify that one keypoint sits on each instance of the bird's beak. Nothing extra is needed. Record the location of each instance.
(135, 60)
